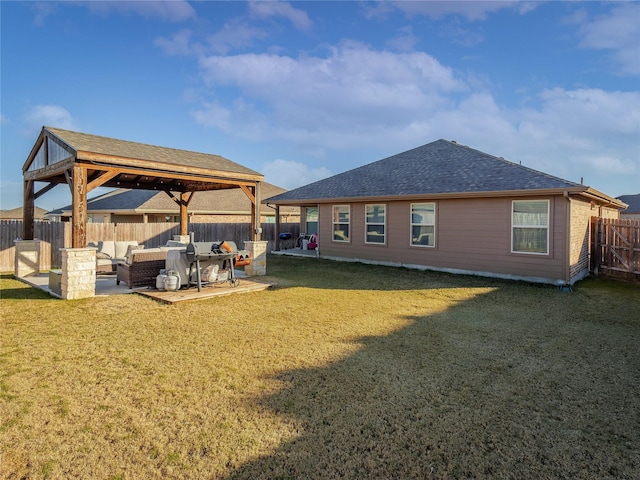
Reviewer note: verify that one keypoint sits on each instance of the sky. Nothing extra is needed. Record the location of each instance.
(300, 91)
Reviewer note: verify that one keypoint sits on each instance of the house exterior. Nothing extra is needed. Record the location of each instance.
(16, 214)
(444, 206)
(632, 212)
(125, 205)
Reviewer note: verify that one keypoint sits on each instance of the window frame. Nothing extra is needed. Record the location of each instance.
(334, 223)
(413, 224)
(307, 222)
(531, 226)
(367, 223)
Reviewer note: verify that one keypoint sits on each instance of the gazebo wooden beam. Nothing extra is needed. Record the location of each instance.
(103, 178)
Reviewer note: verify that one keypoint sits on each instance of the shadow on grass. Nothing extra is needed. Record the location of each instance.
(514, 393)
(23, 292)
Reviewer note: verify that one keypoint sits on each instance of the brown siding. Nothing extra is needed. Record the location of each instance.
(472, 235)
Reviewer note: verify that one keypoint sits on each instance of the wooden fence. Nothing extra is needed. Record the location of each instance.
(615, 248)
(56, 235)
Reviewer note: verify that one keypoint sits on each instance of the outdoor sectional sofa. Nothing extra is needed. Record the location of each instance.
(141, 267)
(110, 252)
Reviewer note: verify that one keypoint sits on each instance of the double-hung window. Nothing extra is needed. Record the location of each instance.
(423, 224)
(530, 226)
(375, 219)
(341, 222)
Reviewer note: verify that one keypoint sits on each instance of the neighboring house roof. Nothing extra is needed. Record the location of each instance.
(16, 214)
(128, 201)
(633, 201)
(441, 168)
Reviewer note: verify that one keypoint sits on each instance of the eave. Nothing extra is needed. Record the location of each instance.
(580, 190)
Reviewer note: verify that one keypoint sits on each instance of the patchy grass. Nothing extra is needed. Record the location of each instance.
(341, 371)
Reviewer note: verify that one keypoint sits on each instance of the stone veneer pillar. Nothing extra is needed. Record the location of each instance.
(258, 253)
(78, 273)
(27, 260)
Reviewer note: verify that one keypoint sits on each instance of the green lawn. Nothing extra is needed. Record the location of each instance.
(341, 371)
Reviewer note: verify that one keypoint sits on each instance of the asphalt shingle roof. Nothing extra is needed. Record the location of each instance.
(220, 201)
(633, 201)
(141, 151)
(440, 167)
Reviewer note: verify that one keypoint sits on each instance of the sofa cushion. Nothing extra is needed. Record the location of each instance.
(107, 249)
(122, 247)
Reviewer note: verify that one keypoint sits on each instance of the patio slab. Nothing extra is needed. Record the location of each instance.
(106, 285)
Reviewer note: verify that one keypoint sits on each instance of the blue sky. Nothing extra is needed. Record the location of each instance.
(303, 90)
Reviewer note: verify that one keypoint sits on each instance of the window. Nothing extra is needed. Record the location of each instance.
(312, 221)
(423, 224)
(341, 214)
(530, 226)
(374, 223)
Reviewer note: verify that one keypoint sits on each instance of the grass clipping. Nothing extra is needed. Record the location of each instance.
(341, 371)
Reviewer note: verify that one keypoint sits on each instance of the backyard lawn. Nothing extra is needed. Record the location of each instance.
(341, 371)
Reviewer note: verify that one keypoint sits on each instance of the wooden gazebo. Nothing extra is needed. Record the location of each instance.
(85, 162)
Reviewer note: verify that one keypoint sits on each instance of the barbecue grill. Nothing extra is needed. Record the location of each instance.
(226, 253)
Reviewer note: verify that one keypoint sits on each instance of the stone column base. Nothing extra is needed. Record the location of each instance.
(27, 260)
(78, 273)
(258, 252)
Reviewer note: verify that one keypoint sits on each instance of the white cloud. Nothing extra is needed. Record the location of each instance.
(169, 10)
(212, 114)
(619, 31)
(268, 9)
(360, 100)
(289, 174)
(405, 41)
(38, 116)
(471, 10)
(178, 44)
(234, 35)
(42, 10)
(346, 95)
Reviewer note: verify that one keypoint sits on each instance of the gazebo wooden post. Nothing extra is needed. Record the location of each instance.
(79, 207)
(184, 214)
(28, 210)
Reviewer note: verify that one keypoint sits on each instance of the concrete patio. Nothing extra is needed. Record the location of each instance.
(106, 285)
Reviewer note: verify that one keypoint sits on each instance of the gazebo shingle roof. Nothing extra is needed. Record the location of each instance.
(84, 142)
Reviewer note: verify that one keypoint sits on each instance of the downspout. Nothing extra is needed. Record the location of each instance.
(567, 263)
